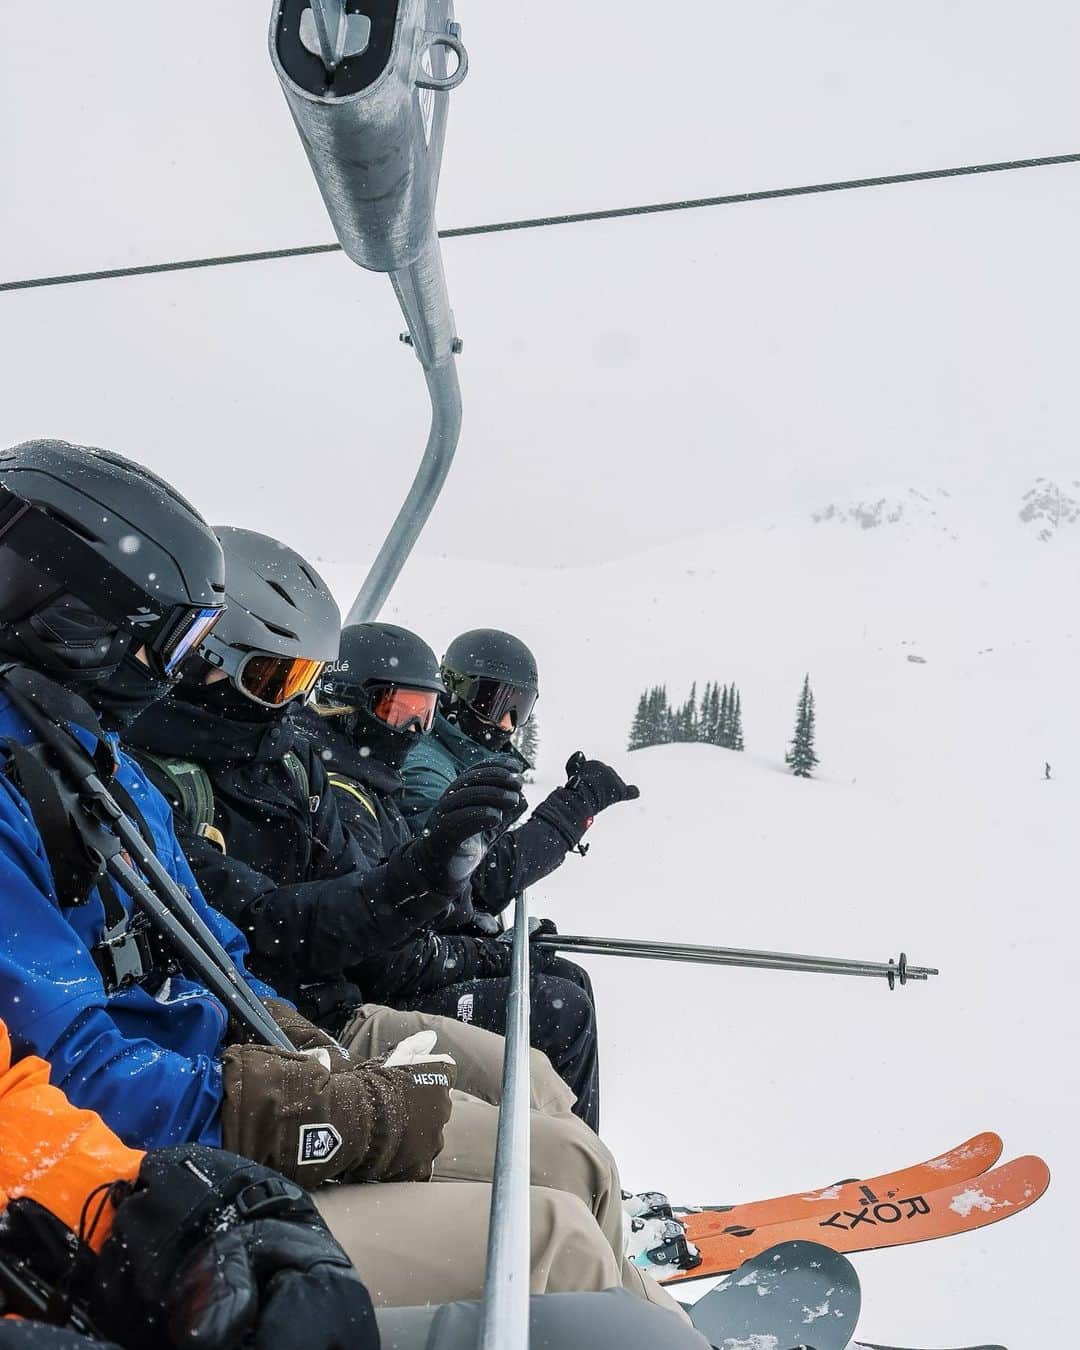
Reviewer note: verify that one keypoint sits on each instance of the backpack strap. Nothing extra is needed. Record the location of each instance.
(354, 790)
(298, 772)
(125, 954)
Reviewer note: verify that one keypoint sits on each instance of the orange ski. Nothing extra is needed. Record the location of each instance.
(959, 1164)
(912, 1217)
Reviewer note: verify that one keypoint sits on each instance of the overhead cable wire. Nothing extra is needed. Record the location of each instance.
(542, 222)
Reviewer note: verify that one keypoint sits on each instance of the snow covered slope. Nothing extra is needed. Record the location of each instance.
(930, 827)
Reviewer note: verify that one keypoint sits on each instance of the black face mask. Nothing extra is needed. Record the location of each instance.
(126, 693)
(483, 733)
(225, 700)
(385, 744)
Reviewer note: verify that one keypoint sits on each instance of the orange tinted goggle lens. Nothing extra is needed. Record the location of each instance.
(275, 680)
(398, 707)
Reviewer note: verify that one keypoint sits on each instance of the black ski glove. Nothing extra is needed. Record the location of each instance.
(209, 1250)
(592, 787)
(540, 958)
(480, 802)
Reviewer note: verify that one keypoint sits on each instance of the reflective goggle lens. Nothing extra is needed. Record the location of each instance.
(493, 699)
(397, 706)
(275, 680)
(186, 636)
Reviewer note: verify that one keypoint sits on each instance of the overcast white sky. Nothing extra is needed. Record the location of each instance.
(624, 382)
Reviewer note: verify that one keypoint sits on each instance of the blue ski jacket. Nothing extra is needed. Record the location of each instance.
(149, 1064)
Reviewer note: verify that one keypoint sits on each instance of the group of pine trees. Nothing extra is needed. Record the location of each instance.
(714, 720)
(717, 720)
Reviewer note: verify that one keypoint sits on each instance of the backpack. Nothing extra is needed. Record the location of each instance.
(192, 785)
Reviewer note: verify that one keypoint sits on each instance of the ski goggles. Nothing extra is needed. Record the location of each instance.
(491, 700)
(402, 707)
(269, 680)
(277, 680)
(168, 632)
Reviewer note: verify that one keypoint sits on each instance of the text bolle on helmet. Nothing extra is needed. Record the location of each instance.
(386, 671)
(99, 556)
(281, 626)
(493, 674)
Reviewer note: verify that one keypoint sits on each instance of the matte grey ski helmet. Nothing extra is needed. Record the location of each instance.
(492, 673)
(387, 671)
(282, 624)
(87, 530)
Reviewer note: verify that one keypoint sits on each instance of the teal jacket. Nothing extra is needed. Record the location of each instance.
(517, 859)
(436, 760)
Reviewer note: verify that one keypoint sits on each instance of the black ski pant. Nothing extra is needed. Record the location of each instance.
(562, 1022)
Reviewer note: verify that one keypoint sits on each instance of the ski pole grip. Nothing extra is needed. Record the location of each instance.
(574, 766)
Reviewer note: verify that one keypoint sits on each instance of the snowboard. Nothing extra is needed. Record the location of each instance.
(872, 1345)
(960, 1208)
(967, 1160)
(794, 1294)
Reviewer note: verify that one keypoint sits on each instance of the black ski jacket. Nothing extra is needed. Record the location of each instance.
(461, 944)
(293, 879)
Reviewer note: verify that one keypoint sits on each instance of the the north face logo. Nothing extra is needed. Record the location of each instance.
(465, 1008)
(318, 1143)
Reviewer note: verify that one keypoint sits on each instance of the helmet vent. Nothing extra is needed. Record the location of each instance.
(280, 590)
(280, 632)
(70, 524)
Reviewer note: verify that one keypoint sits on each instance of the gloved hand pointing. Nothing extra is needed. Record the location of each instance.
(592, 787)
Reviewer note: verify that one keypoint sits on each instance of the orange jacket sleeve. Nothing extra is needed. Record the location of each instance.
(49, 1149)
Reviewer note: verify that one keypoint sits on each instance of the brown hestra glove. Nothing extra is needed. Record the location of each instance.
(305, 1035)
(359, 1123)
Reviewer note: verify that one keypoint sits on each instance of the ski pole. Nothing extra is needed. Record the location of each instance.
(173, 914)
(23, 1294)
(505, 1313)
(107, 832)
(892, 971)
(224, 982)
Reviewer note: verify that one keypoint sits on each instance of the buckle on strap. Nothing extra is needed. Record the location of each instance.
(272, 1195)
(124, 956)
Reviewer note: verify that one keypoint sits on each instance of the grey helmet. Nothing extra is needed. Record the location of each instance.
(492, 674)
(385, 673)
(92, 542)
(281, 626)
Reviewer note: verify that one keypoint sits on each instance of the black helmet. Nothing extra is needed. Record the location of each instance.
(98, 540)
(281, 626)
(387, 670)
(492, 673)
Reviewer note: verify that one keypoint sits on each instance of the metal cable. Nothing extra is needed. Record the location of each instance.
(542, 222)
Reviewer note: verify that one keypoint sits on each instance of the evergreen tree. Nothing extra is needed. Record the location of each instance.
(709, 713)
(527, 739)
(736, 724)
(690, 715)
(658, 716)
(639, 728)
(800, 758)
(724, 731)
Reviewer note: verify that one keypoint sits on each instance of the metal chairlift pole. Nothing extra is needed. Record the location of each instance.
(505, 1315)
(369, 95)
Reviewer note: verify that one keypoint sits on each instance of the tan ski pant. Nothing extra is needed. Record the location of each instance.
(568, 1162)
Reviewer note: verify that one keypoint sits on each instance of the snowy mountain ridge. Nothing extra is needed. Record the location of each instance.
(1046, 508)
